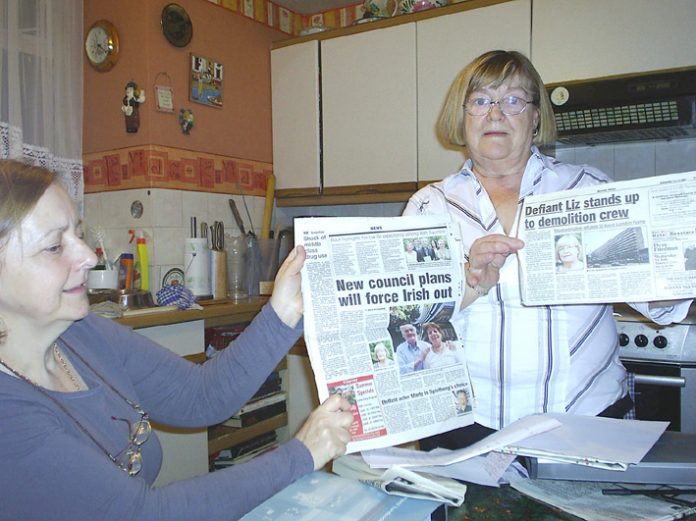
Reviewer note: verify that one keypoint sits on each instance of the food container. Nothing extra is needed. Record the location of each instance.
(135, 299)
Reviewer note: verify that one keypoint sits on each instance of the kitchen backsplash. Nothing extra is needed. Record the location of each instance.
(622, 161)
(165, 220)
(166, 212)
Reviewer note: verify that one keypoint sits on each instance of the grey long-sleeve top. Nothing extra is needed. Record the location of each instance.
(50, 469)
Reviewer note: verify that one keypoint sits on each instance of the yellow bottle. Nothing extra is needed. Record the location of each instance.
(141, 251)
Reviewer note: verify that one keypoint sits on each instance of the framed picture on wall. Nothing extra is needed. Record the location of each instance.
(206, 81)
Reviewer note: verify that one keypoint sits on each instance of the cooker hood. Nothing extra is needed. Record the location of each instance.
(655, 105)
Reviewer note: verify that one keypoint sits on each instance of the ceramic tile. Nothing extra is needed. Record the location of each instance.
(601, 156)
(219, 210)
(168, 245)
(194, 204)
(166, 206)
(634, 160)
(678, 155)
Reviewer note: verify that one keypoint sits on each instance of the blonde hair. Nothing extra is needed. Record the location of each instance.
(492, 69)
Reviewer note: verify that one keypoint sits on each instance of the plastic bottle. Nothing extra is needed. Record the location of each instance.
(142, 261)
(125, 275)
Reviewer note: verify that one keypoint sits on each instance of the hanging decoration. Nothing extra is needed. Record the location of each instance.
(164, 93)
(130, 108)
(206, 81)
(186, 120)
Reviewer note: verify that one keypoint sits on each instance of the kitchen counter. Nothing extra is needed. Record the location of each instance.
(214, 313)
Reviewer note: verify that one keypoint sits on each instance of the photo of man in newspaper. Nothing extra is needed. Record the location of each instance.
(412, 351)
(461, 398)
(424, 337)
(569, 253)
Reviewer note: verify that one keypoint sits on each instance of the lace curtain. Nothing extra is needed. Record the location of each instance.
(41, 87)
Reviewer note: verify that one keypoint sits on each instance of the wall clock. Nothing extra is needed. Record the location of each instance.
(176, 25)
(102, 46)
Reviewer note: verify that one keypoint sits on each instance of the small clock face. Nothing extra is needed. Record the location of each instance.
(101, 45)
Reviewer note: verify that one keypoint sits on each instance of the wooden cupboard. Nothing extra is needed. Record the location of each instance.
(580, 39)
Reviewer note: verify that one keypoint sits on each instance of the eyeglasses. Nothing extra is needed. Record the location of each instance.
(509, 105)
(130, 460)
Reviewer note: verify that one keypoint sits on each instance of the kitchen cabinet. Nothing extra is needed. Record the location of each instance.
(446, 44)
(378, 95)
(295, 99)
(185, 451)
(369, 111)
(579, 39)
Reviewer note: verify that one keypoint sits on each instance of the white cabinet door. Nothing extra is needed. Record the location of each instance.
(295, 98)
(579, 39)
(446, 44)
(369, 107)
(185, 450)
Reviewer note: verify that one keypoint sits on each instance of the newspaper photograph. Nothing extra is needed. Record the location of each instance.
(628, 241)
(379, 295)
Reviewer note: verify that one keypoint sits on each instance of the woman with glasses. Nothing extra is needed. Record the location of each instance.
(569, 253)
(78, 392)
(522, 360)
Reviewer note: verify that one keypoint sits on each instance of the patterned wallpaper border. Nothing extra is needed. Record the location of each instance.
(154, 166)
(289, 22)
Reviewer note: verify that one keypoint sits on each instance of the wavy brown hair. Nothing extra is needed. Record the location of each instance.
(493, 69)
(21, 187)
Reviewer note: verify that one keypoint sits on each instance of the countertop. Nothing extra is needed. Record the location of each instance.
(215, 313)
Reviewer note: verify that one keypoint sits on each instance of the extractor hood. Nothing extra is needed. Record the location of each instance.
(655, 105)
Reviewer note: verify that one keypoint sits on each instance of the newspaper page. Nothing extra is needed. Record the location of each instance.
(379, 295)
(628, 241)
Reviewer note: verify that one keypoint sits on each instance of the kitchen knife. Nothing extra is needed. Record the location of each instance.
(237, 217)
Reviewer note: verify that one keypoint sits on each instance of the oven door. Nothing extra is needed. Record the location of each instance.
(658, 392)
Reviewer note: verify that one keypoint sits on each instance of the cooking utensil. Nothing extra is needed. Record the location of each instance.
(194, 230)
(268, 207)
(204, 230)
(237, 217)
(217, 236)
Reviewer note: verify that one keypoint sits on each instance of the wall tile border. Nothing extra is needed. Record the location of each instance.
(155, 166)
(289, 22)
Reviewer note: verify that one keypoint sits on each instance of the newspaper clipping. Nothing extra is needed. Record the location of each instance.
(379, 296)
(628, 241)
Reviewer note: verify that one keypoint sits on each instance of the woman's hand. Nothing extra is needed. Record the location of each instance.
(486, 256)
(286, 299)
(326, 431)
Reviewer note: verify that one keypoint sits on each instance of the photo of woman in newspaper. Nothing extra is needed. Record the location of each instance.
(382, 354)
(569, 253)
(445, 349)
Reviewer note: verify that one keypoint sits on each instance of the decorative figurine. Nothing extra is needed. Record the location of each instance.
(186, 120)
(131, 101)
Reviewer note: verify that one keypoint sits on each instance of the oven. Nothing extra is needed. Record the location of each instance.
(662, 360)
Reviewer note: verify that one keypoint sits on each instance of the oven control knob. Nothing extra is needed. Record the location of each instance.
(641, 340)
(623, 339)
(660, 342)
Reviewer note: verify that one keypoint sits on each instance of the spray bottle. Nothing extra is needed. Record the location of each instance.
(142, 261)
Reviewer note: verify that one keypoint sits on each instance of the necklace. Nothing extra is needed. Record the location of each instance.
(66, 368)
(128, 467)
